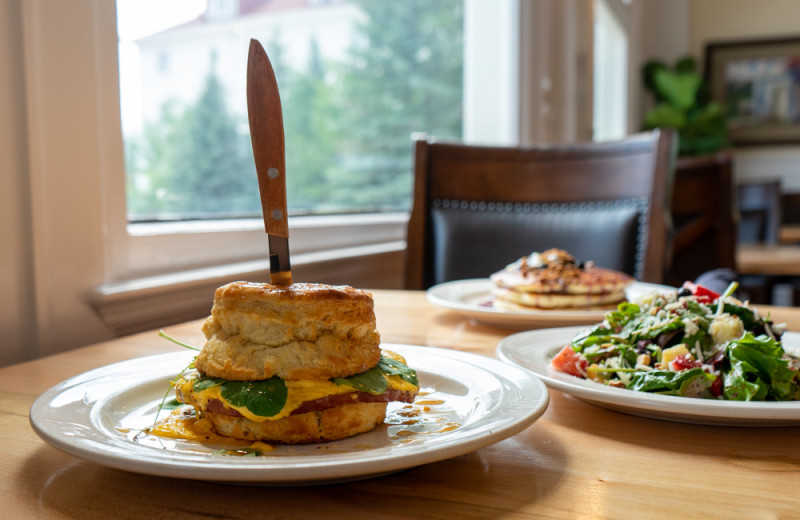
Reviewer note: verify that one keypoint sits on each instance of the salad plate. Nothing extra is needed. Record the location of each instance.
(466, 402)
(473, 298)
(534, 350)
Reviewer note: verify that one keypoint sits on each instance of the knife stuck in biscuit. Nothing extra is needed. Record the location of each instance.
(266, 133)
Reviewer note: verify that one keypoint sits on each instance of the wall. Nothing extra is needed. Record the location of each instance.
(658, 31)
(732, 20)
(16, 325)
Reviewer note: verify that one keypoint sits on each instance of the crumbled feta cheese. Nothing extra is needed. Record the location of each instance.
(726, 327)
(690, 326)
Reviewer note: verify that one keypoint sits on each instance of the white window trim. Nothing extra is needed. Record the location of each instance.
(84, 263)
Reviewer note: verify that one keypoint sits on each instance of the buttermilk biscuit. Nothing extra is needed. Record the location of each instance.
(303, 331)
(554, 279)
(321, 426)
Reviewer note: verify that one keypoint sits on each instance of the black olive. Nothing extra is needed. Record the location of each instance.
(684, 292)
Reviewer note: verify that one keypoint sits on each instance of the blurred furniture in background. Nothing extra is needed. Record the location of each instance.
(790, 218)
(478, 208)
(789, 234)
(703, 218)
(759, 212)
(759, 205)
(790, 231)
(770, 260)
(775, 267)
(790, 208)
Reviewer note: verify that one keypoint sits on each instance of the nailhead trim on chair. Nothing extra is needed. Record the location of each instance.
(637, 203)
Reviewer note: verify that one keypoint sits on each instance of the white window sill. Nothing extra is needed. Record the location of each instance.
(154, 301)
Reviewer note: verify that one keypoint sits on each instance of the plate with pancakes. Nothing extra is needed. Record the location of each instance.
(540, 290)
(293, 386)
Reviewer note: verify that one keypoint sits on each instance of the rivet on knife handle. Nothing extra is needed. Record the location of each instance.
(266, 133)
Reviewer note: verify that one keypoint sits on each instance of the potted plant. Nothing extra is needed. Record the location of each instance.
(682, 102)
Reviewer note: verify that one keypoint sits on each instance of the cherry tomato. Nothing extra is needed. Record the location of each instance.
(702, 294)
(716, 387)
(684, 362)
(570, 362)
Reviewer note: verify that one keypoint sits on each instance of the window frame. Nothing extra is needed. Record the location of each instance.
(90, 280)
(137, 250)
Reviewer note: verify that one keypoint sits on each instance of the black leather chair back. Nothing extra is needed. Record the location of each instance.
(473, 240)
(477, 209)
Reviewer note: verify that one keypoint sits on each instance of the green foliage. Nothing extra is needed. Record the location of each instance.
(194, 162)
(405, 77)
(347, 124)
(682, 103)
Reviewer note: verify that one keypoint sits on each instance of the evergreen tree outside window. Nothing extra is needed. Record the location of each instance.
(348, 113)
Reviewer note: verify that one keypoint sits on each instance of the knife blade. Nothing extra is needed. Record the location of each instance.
(266, 134)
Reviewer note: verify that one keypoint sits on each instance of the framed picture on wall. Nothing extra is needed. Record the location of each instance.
(759, 83)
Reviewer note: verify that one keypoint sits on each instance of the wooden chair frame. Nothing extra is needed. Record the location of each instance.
(639, 166)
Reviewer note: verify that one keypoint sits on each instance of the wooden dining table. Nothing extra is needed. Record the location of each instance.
(773, 260)
(576, 461)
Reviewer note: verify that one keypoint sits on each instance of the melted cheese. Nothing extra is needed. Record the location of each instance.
(182, 426)
(298, 393)
(187, 426)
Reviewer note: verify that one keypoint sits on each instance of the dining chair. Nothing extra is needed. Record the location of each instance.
(759, 205)
(760, 211)
(478, 208)
(703, 213)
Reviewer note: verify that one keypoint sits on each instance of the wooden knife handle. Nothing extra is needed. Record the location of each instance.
(266, 134)
(272, 185)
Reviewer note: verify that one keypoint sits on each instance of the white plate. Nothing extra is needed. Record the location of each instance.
(534, 350)
(485, 399)
(473, 298)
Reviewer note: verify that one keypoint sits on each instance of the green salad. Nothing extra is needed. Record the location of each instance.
(691, 343)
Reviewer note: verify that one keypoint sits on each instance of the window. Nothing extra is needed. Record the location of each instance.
(610, 71)
(357, 78)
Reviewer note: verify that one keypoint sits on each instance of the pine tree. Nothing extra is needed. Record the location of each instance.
(212, 170)
(195, 163)
(311, 143)
(406, 77)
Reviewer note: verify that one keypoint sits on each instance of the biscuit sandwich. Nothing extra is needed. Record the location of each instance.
(554, 279)
(293, 365)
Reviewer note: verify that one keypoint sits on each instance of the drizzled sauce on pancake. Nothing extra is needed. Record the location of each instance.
(554, 279)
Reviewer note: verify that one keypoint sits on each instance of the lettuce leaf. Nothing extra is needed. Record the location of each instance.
(688, 383)
(756, 370)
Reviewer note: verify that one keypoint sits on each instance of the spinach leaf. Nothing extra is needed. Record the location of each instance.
(394, 367)
(650, 327)
(625, 312)
(689, 383)
(172, 404)
(263, 398)
(372, 381)
(207, 382)
(596, 337)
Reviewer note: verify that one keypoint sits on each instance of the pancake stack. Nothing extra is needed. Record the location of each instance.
(553, 280)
